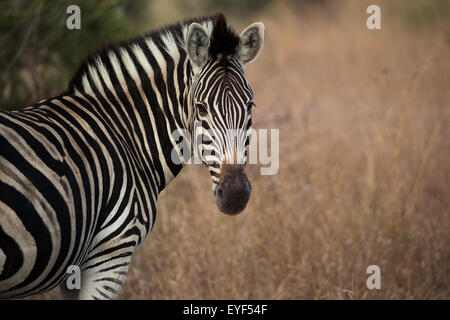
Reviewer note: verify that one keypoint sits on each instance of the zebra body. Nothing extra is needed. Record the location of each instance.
(80, 173)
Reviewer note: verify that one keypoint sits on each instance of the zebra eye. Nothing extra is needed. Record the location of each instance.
(202, 110)
(250, 105)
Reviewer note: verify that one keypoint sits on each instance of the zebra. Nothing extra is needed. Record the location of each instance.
(80, 173)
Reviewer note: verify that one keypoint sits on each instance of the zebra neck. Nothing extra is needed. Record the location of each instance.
(143, 93)
(146, 83)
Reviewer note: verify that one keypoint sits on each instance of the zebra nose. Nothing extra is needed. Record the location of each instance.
(234, 190)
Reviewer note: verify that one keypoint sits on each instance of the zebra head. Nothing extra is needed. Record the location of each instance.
(221, 100)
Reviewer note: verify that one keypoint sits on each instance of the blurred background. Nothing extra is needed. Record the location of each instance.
(364, 174)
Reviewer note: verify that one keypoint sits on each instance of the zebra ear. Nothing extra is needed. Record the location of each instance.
(251, 42)
(197, 44)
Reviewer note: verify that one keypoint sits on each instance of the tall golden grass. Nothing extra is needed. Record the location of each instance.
(364, 175)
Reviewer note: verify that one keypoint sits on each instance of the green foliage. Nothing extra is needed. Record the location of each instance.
(39, 53)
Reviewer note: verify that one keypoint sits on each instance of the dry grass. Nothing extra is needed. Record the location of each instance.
(364, 176)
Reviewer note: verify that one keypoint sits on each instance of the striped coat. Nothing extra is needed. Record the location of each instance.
(80, 173)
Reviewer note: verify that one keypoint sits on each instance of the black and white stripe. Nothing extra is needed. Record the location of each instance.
(80, 173)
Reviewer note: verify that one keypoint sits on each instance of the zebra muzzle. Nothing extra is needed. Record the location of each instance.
(234, 189)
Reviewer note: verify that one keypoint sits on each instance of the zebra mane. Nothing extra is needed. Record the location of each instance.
(223, 42)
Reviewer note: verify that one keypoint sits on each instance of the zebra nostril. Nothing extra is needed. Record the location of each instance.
(219, 192)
